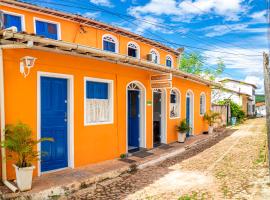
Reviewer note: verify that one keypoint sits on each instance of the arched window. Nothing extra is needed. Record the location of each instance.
(155, 56)
(110, 43)
(133, 50)
(202, 104)
(174, 103)
(169, 61)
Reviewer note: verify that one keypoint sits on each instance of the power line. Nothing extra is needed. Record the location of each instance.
(120, 15)
(172, 43)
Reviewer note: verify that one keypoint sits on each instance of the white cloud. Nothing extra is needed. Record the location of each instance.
(91, 14)
(250, 66)
(258, 81)
(106, 3)
(259, 17)
(219, 30)
(188, 9)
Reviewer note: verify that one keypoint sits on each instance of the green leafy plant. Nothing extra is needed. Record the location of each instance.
(211, 117)
(21, 145)
(237, 112)
(123, 155)
(194, 62)
(183, 127)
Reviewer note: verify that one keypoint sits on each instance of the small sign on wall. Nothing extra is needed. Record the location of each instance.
(149, 103)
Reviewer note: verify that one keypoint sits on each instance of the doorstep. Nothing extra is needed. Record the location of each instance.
(68, 181)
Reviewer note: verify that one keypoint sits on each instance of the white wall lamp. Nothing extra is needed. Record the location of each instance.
(26, 64)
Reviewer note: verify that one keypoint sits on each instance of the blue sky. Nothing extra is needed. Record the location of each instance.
(234, 30)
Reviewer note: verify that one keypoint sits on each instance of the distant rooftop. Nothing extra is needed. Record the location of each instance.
(237, 81)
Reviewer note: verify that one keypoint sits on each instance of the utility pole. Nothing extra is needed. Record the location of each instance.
(266, 71)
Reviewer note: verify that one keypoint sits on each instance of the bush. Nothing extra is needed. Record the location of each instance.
(237, 112)
(20, 144)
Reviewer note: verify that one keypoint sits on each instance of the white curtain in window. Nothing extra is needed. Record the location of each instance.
(97, 110)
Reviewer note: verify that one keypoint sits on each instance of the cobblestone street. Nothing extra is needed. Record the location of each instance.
(225, 169)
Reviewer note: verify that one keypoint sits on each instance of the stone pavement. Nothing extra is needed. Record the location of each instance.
(216, 168)
(93, 180)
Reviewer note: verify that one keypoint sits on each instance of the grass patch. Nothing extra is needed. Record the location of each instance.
(262, 158)
(195, 196)
(220, 175)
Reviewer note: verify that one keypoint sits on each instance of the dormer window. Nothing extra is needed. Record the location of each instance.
(12, 19)
(133, 50)
(169, 61)
(110, 43)
(155, 56)
(47, 29)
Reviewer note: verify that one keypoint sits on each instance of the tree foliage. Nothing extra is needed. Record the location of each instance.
(194, 63)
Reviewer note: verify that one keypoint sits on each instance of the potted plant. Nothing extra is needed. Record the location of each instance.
(211, 118)
(21, 148)
(182, 130)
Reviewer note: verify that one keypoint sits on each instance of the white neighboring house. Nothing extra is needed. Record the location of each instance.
(221, 94)
(243, 88)
(260, 109)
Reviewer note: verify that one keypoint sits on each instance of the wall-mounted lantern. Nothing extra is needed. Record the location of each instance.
(26, 64)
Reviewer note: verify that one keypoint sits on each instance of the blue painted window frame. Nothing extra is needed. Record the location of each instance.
(168, 63)
(47, 29)
(109, 46)
(13, 20)
(97, 90)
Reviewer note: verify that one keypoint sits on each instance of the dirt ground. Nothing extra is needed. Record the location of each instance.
(234, 168)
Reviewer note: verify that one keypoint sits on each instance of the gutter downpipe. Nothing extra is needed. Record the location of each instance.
(2, 114)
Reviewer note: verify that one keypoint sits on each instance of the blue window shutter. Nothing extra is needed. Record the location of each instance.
(168, 63)
(108, 46)
(12, 20)
(46, 29)
(96, 90)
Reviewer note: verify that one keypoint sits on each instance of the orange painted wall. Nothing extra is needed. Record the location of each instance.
(71, 32)
(91, 143)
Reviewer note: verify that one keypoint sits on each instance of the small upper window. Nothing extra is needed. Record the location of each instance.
(133, 50)
(155, 56)
(47, 29)
(98, 103)
(169, 61)
(109, 43)
(13, 20)
(174, 103)
(202, 104)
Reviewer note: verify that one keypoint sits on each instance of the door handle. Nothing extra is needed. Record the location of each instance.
(65, 119)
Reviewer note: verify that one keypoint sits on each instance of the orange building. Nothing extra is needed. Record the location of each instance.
(98, 90)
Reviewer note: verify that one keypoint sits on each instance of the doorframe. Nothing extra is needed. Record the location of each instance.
(142, 134)
(191, 108)
(70, 110)
(163, 116)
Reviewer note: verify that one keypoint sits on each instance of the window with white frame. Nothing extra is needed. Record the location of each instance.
(110, 43)
(47, 29)
(133, 50)
(202, 104)
(169, 61)
(174, 103)
(11, 19)
(155, 56)
(98, 101)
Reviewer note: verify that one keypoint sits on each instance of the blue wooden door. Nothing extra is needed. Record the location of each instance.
(188, 112)
(54, 123)
(133, 118)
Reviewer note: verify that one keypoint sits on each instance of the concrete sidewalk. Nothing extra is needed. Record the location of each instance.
(71, 180)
